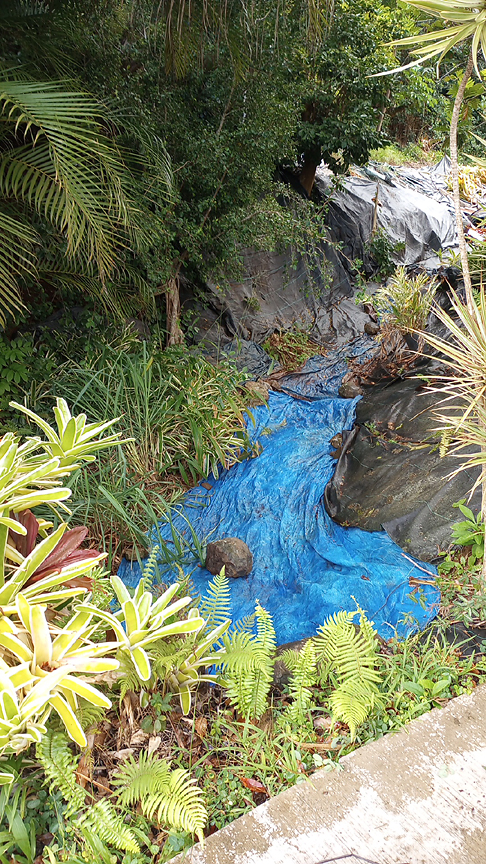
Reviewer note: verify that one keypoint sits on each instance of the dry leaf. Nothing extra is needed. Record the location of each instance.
(201, 726)
(84, 769)
(123, 754)
(322, 723)
(154, 744)
(139, 737)
(254, 785)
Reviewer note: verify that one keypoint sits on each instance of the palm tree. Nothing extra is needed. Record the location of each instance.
(58, 166)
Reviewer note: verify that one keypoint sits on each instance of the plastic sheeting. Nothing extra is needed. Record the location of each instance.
(392, 474)
(306, 567)
(412, 207)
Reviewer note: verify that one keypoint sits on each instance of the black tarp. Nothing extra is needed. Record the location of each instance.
(391, 474)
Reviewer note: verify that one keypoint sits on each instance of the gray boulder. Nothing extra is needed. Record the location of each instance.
(232, 554)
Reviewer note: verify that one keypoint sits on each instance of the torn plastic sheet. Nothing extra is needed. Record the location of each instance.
(306, 567)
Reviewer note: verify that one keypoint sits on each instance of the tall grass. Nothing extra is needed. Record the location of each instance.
(185, 419)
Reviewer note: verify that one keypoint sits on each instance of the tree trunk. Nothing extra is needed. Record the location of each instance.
(175, 335)
(308, 173)
(455, 183)
(483, 514)
(383, 113)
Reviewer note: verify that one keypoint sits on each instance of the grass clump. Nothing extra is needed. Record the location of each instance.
(184, 419)
(411, 154)
(292, 349)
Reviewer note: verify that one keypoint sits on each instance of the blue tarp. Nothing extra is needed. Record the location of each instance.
(305, 567)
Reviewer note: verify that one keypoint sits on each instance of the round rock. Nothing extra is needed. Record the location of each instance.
(232, 554)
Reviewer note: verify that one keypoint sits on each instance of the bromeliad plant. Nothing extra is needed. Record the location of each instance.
(140, 622)
(50, 660)
(31, 474)
(40, 565)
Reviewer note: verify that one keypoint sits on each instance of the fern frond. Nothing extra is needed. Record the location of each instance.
(103, 821)
(170, 796)
(88, 714)
(303, 679)
(59, 764)
(135, 780)
(348, 655)
(215, 606)
(351, 702)
(289, 658)
(265, 629)
(180, 805)
(248, 665)
(244, 625)
(150, 568)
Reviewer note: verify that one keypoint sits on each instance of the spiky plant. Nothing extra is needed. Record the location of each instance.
(461, 411)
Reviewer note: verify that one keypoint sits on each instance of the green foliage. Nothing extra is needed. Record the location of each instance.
(392, 154)
(54, 754)
(348, 656)
(182, 413)
(302, 682)
(168, 796)
(103, 822)
(247, 665)
(292, 348)
(469, 532)
(381, 250)
(215, 606)
(405, 302)
(186, 419)
(56, 162)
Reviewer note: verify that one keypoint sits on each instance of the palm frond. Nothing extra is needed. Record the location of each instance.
(17, 259)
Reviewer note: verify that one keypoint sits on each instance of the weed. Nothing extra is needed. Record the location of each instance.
(382, 252)
(185, 419)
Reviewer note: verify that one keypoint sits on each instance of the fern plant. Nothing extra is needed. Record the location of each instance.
(170, 797)
(215, 607)
(103, 821)
(303, 665)
(59, 764)
(347, 656)
(101, 818)
(247, 665)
